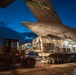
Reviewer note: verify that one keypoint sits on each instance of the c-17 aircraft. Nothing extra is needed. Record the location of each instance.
(49, 22)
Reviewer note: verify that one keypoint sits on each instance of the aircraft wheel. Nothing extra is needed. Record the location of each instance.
(61, 61)
(54, 61)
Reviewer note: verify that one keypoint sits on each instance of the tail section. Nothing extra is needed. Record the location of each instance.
(43, 11)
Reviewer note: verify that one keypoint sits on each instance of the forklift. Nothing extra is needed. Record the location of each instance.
(11, 56)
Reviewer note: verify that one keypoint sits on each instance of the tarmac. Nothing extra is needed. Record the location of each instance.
(43, 69)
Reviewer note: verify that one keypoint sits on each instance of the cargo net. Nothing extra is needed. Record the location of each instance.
(47, 47)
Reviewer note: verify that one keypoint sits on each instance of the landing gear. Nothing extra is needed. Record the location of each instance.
(61, 61)
(54, 61)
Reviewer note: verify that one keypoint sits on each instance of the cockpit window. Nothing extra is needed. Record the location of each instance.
(13, 44)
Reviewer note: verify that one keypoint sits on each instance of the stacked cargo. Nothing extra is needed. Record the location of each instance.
(49, 44)
(44, 43)
(47, 47)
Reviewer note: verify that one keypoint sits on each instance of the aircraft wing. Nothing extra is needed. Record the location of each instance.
(5, 3)
(43, 29)
(48, 20)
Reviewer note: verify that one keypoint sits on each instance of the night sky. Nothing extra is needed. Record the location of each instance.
(17, 12)
(66, 10)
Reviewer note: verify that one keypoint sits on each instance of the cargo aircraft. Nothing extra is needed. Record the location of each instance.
(49, 22)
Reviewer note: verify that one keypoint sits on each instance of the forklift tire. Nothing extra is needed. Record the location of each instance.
(30, 62)
(4, 63)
